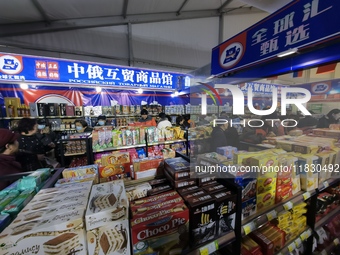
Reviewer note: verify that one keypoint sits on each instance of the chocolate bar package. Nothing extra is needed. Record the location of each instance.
(158, 182)
(196, 193)
(153, 198)
(179, 183)
(164, 207)
(159, 190)
(138, 191)
(202, 219)
(214, 188)
(178, 168)
(183, 191)
(226, 211)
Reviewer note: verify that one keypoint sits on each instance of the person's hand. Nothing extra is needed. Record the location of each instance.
(52, 145)
(41, 157)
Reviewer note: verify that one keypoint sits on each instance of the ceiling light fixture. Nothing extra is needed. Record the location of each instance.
(287, 52)
(139, 91)
(23, 86)
(176, 93)
(98, 89)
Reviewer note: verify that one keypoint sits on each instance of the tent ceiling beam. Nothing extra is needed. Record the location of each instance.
(73, 24)
(181, 8)
(225, 4)
(41, 10)
(125, 8)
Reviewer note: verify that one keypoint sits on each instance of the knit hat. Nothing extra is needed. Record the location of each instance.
(101, 117)
(7, 136)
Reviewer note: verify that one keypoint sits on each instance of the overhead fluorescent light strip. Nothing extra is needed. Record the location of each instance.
(287, 52)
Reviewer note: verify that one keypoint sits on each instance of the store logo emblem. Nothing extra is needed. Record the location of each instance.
(10, 65)
(231, 55)
(211, 92)
(320, 88)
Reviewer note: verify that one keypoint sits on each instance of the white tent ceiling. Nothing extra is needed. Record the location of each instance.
(175, 35)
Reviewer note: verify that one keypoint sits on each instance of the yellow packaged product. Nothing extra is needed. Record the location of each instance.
(265, 199)
(240, 156)
(300, 206)
(301, 222)
(264, 160)
(285, 224)
(285, 215)
(305, 148)
(265, 183)
(278, 151)
(309, 177)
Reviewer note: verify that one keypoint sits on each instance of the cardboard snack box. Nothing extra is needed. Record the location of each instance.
(138, 191)
(214, 188)
(196, 193)
(248, 208)
(154, 199)
(202, 219)
(180, 183)
(108, 202)
(111, 239)
(162, 234)
(226, 211)
(183, 191)
(159, 190)
(178, 168)
(61, 234)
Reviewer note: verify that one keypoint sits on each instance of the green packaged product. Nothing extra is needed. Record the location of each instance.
(17, 204)
(7, 199)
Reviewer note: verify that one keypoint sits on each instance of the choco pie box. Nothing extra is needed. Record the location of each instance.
(162, 229)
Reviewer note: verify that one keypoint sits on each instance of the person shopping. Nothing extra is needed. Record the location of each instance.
(146, 119)
(31, 154)
(9, 145)
(331, 118)
(82, 126)
(163, 121)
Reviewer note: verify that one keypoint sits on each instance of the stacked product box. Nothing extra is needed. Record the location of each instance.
(227, 151)
(287, 184)
(177, 171)
(106, 218)
(212, 211)
(145, 167)
(160, 224)
(80, 171)
(52, 223)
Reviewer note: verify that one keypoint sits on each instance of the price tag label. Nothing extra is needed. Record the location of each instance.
(306, 195)
(308, 233)
(248, 228)
(298, 242)
(291, 247)
(287, 206)
(326, 184)
(271, 215)
(336, 241)
(209, 248)
(324, 252)
(304, 236)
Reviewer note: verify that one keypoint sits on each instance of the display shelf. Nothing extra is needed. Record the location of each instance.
(327, 218)
(327, 183)
(330, 247)
(197, 139)
(291, 245)
(75, 154)
(121, 147)
(267, 214)
(167, 142)
(213, 246)
(53, 179)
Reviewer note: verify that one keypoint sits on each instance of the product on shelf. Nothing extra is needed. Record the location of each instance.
(161, 231)
(106, 219)
(250, 247)
(77, 179)
(145, 167)
(18, 203)
(80, 171)
(227, 151)
(138, 191)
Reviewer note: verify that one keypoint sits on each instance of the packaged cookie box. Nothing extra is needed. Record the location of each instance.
(64, 196)
(183, 191)
(154, 199)
(214, 188)
(196, 193)
(202, 178)
(111, 239)
(265, 199)
(227, 151)
(65, 182)
(178, 168)
(159, 189)
(248, 188)
(202, 219)
(266, 183)
(248, 208)
(162, 233)
(108, 202)
(225, 211)
(143, 174)
(141, 210)
(80, 171)
(180, 183)
(137, 191)
(62, 234)
(61, 193)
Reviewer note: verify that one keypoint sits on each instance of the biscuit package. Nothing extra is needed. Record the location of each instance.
(108, 202)
(59, 234)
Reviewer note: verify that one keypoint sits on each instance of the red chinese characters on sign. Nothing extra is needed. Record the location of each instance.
(52, 66)
(40, 64)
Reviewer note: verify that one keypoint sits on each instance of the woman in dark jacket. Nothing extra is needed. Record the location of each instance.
(331, 118)
(31, 153)
(8, 147)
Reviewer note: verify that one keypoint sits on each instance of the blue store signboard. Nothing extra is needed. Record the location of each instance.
(19, 68)
(300, 24)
